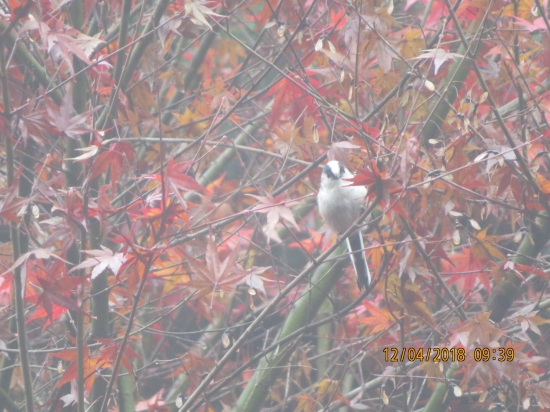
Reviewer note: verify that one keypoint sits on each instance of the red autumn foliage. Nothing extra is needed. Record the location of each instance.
(161, 243)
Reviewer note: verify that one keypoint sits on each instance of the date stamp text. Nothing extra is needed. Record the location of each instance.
(393, 354)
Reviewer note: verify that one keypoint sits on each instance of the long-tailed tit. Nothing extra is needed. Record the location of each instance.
(340, 206)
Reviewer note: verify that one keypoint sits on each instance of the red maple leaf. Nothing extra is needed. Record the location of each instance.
(57, 293)
(36, 123)
(110, 350)
(19, 9)
(216, 275)
(370, 177)
(468, 270)
(63, 40)
(276, 209)
(118, 157)
(290, 96)
(63, 119)
(169, 212)
(11, 205)
(176, 180)
(73, 218)
(41, 312)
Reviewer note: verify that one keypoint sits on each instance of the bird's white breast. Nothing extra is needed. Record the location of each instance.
(340, 204)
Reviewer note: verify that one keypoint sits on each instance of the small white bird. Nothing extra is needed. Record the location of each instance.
(340, 206)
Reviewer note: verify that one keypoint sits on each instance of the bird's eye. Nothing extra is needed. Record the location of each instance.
(342, 169)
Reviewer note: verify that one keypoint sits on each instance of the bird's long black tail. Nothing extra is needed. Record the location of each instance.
(357, 253)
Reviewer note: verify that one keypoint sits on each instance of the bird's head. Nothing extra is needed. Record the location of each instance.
(335, 170)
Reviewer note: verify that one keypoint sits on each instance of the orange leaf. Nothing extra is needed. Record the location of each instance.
(91, 365)
(381, 319)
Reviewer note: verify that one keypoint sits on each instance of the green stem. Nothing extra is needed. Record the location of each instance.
(454, 81)
(74, 179)
(17, 243)
(439, 395)
(305, 309)
(7, 403)
(324, 333)
(132, 64)
(508, 289)
(122, 38)
(25, 58)
(126, 392)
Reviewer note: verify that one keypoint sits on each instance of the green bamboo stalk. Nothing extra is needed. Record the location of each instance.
(508, 289)
(125, 384)
(7, 403)
(25, 58)
(133, 60)
(323, 341)
(25, 189)
(115, 369)
(73, 178)
(453, 82)
(513, 105)
(100, 302)
(439, 395)
(122, 39)
(191, 81)
(347, 383)
(100, 308)
(119, 64)
(305, 310)
(504, 295)
(114, 30)
(203, 345)
(19, 245)
(122, 75)
(219, 165)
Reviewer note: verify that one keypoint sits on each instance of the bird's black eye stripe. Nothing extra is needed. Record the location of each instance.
(328, 171)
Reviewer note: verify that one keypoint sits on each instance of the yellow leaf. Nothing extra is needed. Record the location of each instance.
(142, 96)
(529, 53)
(383, 82)
(449, 154)
(479, 252)
(496, 253)
(521, 9)
(412, 44)
(481, 235)
(327, 387)
(191, 118)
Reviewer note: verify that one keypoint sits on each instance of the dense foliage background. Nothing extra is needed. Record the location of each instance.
(161, 246)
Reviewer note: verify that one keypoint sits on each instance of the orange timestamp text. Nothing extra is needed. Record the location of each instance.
(447, 354)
